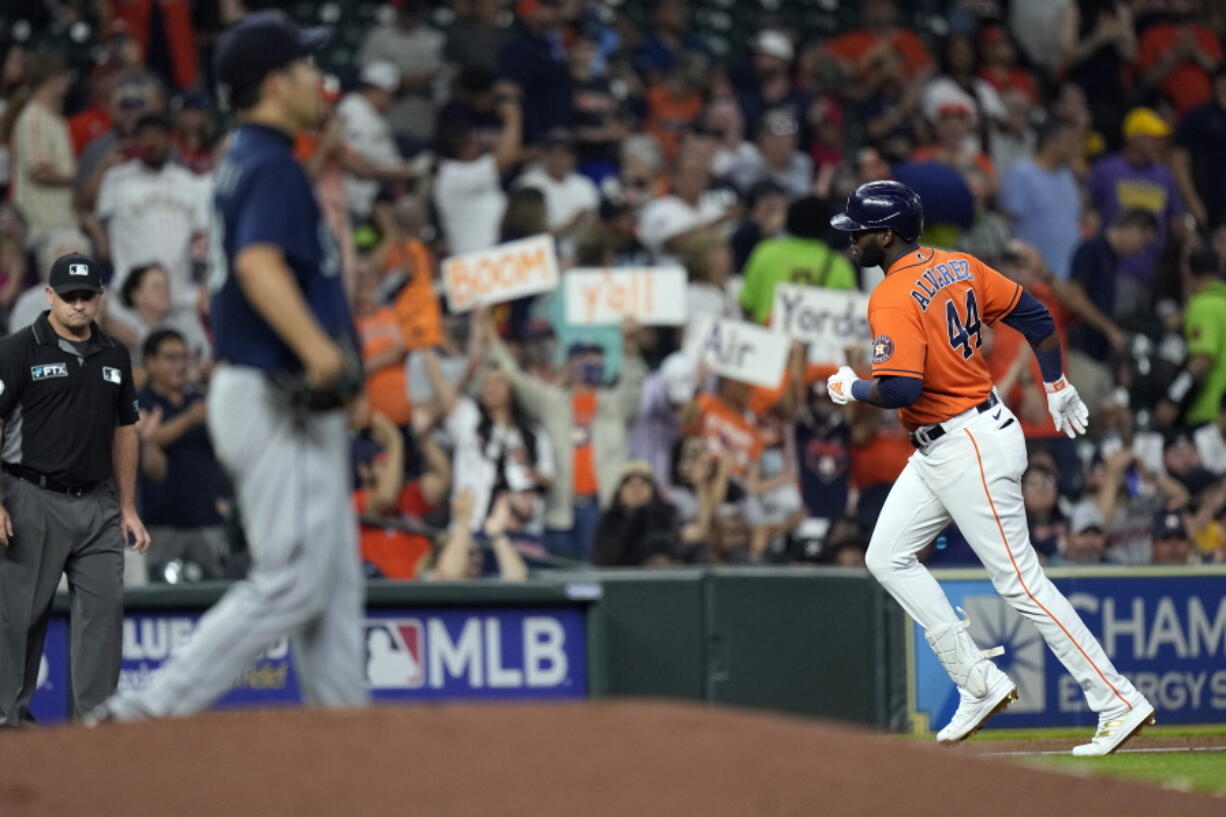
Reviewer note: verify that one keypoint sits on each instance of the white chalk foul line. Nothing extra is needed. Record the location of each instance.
(1145, 751)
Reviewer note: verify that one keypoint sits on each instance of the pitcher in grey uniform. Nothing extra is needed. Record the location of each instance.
(68, 412)
(277, 303)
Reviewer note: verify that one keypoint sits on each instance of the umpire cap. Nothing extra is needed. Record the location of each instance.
(75, 273)
(259, 44)
(883, 205)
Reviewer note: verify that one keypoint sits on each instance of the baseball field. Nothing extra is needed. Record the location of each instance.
(623, 758)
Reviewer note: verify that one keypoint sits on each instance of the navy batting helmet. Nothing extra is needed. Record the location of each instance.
(883, 205)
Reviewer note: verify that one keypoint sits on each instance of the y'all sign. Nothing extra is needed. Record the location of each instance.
(504, 273)
(829, 320)
(738, 350)
(652, 296)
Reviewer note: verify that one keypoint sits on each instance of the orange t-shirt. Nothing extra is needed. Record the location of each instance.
(926, 318)
(417, 305)
(853, 45)
(584, 407)
(726, 429)
(668, 116)
(87, 126)
(386, 388)
(1011, 78)
(1187, 84)
(882, 458)
(396, 553)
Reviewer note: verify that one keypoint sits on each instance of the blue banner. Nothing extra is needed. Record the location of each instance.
(411, 654)
(52, 699)
(1166, 633)
(149, 639)
(457, 654)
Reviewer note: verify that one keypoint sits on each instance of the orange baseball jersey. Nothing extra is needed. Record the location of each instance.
(926, 319)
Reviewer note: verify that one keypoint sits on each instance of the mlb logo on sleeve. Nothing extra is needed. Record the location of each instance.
(111, 375)
(49, 370)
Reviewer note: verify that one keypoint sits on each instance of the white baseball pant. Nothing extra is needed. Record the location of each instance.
(972, 476)
(305, 579)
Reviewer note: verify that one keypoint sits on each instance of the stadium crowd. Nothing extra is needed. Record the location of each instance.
(1076, 145)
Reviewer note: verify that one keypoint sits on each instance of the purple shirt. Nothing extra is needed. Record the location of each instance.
(1116, 185)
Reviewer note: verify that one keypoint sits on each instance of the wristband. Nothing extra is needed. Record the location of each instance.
(1050, 365)
(1057, 385)
(862, 390)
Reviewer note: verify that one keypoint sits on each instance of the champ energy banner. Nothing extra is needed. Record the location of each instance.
(1167, 633)
(417, 654)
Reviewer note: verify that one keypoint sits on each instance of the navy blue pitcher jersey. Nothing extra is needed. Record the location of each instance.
(262, 196)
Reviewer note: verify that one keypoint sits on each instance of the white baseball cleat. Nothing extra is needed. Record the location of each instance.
(1116, 727)
(974, 712)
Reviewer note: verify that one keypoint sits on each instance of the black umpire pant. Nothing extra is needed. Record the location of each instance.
(56, 534)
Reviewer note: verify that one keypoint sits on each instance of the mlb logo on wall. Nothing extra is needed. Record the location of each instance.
(111, 375)
(78, 269)
(394, 658)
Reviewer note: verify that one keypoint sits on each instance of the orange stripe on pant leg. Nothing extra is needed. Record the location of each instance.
(984, 477)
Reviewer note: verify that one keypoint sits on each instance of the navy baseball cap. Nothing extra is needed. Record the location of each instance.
(259, 44)
(1169, 524)
(75, 273)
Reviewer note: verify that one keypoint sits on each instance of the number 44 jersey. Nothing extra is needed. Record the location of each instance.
(927, 320)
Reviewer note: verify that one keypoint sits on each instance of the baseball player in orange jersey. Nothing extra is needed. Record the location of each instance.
(927, 317)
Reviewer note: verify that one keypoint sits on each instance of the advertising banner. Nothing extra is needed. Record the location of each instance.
(1164, 630)
(464, 654)
(504, 273)
(652, 296)
(150, 639)
(52, 699)
(411, 654)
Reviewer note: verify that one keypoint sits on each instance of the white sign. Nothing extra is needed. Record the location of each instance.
(652, 296)
(504, 273)
(738, 350)
(829, 320)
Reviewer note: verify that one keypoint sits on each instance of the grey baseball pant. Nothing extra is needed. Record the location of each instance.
(305, 580)
(56, 534)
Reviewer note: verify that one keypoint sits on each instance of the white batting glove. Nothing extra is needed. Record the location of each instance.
(839, 385)
(1068, 413)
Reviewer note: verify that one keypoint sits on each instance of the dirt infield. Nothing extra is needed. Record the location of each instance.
(627, 759)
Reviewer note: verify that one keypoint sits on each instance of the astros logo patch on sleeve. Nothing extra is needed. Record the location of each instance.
(883, 349)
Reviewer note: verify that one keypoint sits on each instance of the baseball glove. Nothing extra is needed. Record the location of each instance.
(293, 391)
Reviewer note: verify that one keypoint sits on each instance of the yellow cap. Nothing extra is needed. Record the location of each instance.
(1145, 122)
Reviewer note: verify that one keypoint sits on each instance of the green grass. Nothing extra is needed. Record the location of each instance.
(1060, 733)
(1202, 772)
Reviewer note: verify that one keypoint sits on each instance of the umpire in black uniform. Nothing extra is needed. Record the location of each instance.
(68, 415)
